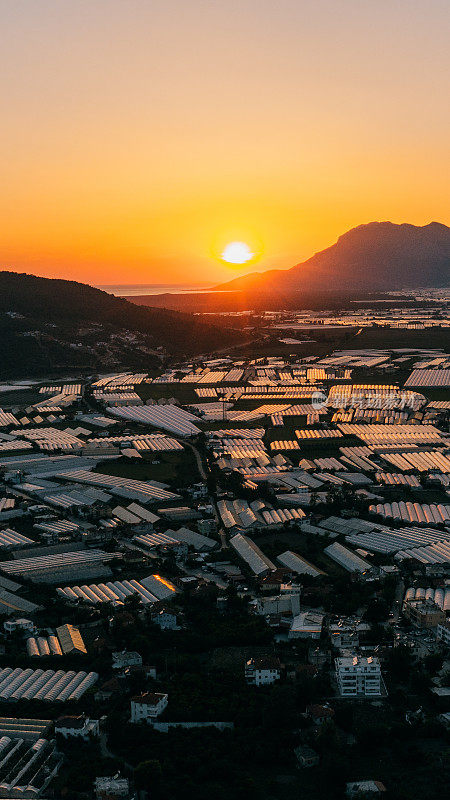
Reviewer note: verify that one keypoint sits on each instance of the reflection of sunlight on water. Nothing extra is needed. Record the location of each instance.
(133, 289)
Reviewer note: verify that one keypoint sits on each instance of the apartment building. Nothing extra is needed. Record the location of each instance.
(358, 676)
(443, 633)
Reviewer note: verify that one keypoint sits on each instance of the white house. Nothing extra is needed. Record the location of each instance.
(125, 658)
(262, 671)
(148, 706)
(358, 676)
(79, 727)
(25, 625)
(166, 620)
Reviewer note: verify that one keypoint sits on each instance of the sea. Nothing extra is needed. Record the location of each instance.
(135, 289)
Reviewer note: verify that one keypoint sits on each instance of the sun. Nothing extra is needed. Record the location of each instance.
(237, 253)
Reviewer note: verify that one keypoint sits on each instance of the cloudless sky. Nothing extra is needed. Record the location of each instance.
(138, 137)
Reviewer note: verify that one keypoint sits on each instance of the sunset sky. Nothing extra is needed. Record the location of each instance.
(140, 137)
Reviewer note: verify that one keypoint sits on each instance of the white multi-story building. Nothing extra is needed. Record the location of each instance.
(443, 633)
(13, 625)
(345, 633)
(148, 706)
(79, 727)
(262, 671)
(358, 676)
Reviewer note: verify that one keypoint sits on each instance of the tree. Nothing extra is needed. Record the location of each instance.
(433, 663)
(399, 663)
(377, 610)
(148, 775)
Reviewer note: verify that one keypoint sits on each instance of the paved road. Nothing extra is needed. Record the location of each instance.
(198, 458)
(203, 474)
(223, 540)
(398, 599)
(106, 753)
(238, 346)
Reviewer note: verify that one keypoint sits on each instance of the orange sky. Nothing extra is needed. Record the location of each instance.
(138, 138)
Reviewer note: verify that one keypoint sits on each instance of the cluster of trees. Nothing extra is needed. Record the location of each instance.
(204, 762)
(67, 303)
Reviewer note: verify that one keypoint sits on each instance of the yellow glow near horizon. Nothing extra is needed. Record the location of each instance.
(237, 253)
(138, 142)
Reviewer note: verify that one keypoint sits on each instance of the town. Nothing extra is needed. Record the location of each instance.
(232, 569)
(224, 400)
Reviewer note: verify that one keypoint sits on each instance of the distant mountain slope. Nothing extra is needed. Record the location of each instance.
(51, 325)
(377, 256)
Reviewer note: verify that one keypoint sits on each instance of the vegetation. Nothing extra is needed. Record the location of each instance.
(177, 468)
(50, 325)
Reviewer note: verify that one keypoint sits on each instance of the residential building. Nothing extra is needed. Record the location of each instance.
(306, 757)
(285, 603)
(262, 671)
(166, 620)
(345, 633)
(276, 579)
(108, 690)
(112, 787)
(443, 633)
(77, 727)
(207, 526)
(364, 788)
(198, 490)
(445, 719)
(358, 676)
(24, 625)
(148, 706)
(318, 657)
(424, 613)
(125, 658)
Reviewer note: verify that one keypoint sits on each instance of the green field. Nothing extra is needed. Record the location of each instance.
(20, 397)
(178, 468)
(182, 391)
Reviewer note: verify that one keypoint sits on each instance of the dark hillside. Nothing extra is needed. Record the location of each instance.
(51, 325)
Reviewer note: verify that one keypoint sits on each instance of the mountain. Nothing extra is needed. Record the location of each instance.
(56, 325)
(377, 256)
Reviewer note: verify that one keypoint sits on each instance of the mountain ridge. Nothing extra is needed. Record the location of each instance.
(372, 256)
